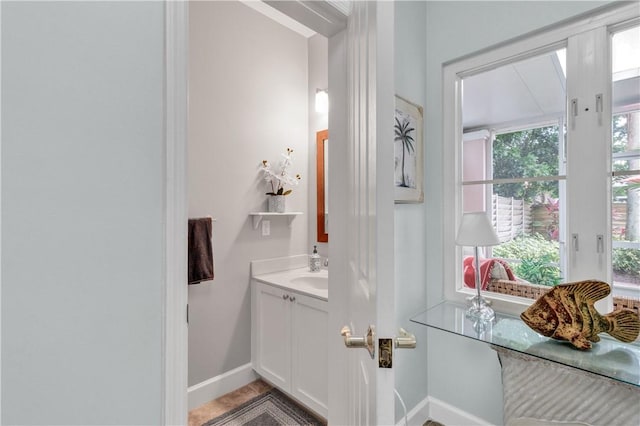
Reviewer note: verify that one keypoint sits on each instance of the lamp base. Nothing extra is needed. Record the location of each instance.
(480, 310)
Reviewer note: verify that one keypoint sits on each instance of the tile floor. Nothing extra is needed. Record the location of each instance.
(227, 402)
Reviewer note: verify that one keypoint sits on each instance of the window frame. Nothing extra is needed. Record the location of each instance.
(555, 37)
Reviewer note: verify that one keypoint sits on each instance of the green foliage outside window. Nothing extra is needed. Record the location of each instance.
(535, 152)
(538, 259)
(527, 153)
(539, 270)
(626, 261)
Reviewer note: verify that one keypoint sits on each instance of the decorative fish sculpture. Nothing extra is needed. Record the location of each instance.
(566, 312)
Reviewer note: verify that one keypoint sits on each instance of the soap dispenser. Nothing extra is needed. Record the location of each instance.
(314, 260)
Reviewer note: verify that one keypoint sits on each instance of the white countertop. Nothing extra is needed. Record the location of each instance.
(283, 279)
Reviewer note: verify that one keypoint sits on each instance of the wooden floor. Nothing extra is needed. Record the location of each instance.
(227, 402)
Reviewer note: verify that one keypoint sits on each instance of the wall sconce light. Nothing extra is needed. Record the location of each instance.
(322, 101)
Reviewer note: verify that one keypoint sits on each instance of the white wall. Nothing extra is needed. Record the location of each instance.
(465, 373)
(82, 212)
(318, 79)
(410, 289)
(248, 102)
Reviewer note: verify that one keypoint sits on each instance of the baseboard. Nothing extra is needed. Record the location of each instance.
(435, 409)
(447, 414)
(417, 415)
(217, 386)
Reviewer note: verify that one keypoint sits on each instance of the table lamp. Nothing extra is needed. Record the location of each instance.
(476, 230)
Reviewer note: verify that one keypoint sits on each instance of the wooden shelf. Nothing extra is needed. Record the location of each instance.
(257, 216)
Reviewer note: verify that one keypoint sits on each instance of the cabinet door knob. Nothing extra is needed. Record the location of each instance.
(293, 298)
(285, 296)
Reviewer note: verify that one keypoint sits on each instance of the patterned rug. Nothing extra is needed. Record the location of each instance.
(272, 408)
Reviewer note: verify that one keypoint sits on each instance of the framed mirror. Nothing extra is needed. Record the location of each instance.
(322, 185)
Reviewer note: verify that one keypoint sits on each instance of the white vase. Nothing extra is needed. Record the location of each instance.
(276, 203)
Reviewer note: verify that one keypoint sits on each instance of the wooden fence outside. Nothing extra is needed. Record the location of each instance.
(619, 220)
(543, 219)
(510, 217)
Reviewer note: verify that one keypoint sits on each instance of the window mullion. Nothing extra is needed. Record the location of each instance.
(588, 151)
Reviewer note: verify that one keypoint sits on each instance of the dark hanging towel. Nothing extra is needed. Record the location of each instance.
(200, 250)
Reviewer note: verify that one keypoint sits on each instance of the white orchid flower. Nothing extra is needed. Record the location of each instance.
(279, 179)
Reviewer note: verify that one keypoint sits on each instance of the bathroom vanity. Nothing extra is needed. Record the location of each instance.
(289, 321)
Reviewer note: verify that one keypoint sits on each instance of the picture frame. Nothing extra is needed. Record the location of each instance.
(408, 152)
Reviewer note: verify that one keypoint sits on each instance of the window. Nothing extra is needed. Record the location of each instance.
(523, 122)
(625, 162)
(544, 136)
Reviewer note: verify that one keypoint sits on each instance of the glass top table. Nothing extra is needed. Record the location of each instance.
(609, 358)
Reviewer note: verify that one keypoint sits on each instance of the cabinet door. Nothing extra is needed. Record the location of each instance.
(309, 354)
(273, 335)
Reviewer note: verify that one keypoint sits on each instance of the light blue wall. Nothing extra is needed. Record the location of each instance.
(82, 212)
(464, 373)
(410, 296)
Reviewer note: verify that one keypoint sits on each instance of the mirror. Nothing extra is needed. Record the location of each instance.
(322, 185)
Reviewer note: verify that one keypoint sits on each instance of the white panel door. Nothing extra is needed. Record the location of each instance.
(361, 288)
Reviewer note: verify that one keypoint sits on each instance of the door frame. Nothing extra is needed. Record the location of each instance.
(338, 196)
(174, 305)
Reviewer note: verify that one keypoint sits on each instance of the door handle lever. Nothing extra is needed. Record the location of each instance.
(359, 342)
(350, 341)
(405, 340)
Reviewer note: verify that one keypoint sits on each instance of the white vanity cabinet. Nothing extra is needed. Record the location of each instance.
(289, 343)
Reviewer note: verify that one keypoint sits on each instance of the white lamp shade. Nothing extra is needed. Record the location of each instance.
(476, 230)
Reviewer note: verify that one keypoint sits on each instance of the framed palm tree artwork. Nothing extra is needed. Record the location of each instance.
(408, 152)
